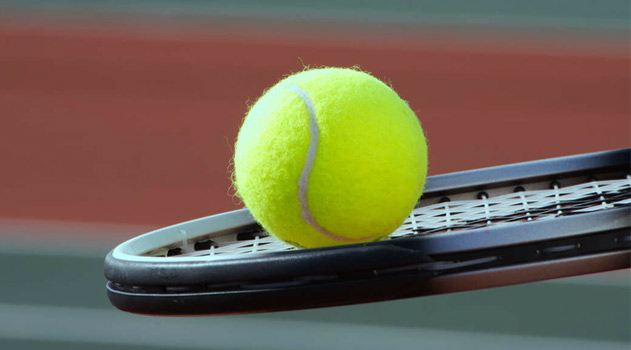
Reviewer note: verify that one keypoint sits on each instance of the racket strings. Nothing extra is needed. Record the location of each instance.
(521, 205)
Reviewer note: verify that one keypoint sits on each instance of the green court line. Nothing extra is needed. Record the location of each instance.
(582, 311)
(109, 327)
(45, 265)
(26, 344)
(609, 15)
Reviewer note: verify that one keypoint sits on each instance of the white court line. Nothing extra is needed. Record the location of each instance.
(63, 238)
(48, 323)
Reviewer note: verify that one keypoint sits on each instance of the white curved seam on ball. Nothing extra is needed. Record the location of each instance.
(303, 181)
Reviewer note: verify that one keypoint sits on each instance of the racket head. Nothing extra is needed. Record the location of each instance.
(227, 264)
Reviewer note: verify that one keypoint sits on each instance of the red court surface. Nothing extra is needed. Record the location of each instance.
(137, 126)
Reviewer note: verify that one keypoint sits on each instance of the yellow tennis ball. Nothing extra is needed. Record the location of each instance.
(328, 157)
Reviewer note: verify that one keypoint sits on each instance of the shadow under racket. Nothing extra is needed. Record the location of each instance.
(476, 229)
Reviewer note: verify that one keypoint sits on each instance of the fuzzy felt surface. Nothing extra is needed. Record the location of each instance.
(369, 167)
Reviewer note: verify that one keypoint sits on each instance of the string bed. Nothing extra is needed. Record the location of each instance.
(445, 216)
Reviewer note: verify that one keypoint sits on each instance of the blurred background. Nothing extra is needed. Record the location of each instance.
(118, 117)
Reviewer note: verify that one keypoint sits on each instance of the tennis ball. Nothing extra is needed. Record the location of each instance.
(328, 157)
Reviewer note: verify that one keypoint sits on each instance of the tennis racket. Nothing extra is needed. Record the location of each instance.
(470, 230)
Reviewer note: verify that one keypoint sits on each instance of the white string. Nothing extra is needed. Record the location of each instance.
(557, 199)
(413, 221)
(602, 198)
(255, 245)
(487, 213)
(185, 247)
(524, 202)
(448, 216)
